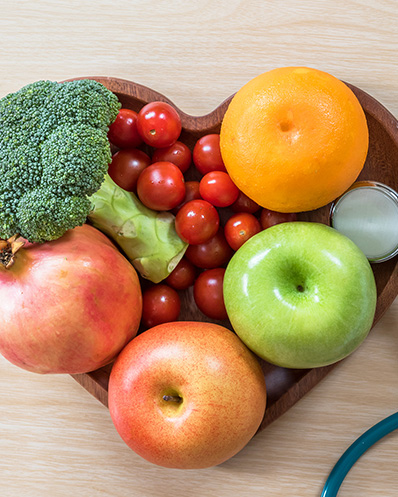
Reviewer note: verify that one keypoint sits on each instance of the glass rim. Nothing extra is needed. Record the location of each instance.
(368, 184)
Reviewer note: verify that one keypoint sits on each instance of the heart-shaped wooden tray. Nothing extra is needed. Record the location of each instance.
(285, 386)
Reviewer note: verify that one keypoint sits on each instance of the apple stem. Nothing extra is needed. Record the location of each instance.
(172, 398)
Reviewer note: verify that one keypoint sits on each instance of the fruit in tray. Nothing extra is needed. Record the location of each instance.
(300, 295)
(294, 138)
(291, 140)
(187, 395)
(60, 310)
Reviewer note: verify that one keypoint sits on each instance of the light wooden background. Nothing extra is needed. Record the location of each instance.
(56, 440)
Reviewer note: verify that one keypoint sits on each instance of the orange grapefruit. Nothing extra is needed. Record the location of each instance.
(294, 138)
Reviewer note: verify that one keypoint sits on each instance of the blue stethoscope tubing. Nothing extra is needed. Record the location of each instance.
(355, 451)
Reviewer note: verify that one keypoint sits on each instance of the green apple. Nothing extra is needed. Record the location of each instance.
(300, 295)
(187, 395)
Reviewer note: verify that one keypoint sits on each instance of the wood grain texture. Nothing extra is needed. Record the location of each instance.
(55, 438)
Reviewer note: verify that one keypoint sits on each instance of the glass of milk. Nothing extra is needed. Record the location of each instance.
(368, 214)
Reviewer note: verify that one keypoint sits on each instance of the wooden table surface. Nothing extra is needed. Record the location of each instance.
(55, 439)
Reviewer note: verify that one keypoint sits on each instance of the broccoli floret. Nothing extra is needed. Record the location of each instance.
(54, 154)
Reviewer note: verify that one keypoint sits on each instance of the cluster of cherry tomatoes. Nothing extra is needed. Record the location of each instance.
(212, 215)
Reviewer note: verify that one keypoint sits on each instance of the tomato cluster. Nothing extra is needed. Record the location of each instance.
(212, 215)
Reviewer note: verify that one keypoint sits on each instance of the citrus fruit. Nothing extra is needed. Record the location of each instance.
(294, 138)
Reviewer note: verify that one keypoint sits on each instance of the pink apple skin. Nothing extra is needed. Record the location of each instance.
(219, 381)
(68, 306)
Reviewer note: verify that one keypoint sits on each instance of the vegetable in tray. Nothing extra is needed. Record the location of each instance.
(54, 154)
(147, 237)
(54, 157)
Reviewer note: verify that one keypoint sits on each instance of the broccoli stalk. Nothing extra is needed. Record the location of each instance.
(147, 238)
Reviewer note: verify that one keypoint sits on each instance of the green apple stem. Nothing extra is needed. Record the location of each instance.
(172, 398)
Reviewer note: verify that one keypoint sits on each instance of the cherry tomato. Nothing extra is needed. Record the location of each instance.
(269, 218)
(161, 186)
(239, 228)
(197, 221)
(208, 293)
(123, 131)
(183, 275)
(126, 166)
(159, 124)
(207, 155)
(218, 189)
(210, 254)
(191, 193)
(160, 304)
(245, 204)
(178, 153)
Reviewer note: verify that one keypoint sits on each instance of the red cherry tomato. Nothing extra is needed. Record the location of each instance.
(210, 254)
(208, 293)
(159, 124)
(178, 153)
(218, 189)
(245, 204)
(183, 275)
(239, 228)
(123, 131)
(269, 218)
(161, 186)
(126, 166)
(197, 221)
(160, 304)
(207, 155)
(191, 193)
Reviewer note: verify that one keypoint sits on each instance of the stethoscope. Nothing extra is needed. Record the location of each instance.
(355, 451)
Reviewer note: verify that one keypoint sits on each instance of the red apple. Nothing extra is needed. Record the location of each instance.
(187, 395)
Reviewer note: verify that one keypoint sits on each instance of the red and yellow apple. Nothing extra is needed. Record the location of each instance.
(187, 394)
